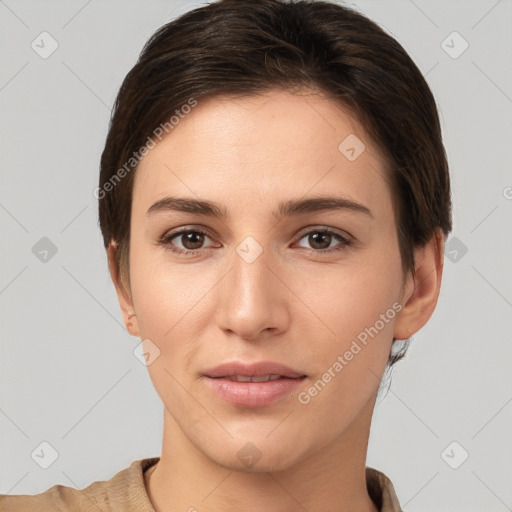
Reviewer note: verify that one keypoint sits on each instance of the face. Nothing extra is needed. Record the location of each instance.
(266, 275)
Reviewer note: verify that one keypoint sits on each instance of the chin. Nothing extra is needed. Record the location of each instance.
(250, 459)
(257, 453)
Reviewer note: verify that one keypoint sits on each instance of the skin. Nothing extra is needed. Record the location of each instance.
(294, 304)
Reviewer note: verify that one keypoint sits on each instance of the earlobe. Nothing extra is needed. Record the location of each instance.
(123, 294)
(132, 325)
(422, 288)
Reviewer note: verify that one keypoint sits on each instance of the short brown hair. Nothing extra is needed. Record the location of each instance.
(243, 47)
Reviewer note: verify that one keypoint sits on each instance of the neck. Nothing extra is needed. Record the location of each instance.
(332, 478)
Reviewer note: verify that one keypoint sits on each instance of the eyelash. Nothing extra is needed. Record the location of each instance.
(166, 239)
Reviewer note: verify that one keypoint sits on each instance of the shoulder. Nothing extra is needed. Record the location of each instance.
(58, 497)
(124, 491)
(381, 491)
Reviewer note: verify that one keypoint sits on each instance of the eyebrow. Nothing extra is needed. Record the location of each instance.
(285, 209)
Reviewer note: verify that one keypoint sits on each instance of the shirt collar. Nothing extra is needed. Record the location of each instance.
(380, 487)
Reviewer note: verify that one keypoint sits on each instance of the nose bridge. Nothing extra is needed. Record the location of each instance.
(250, 276)
(251, 300)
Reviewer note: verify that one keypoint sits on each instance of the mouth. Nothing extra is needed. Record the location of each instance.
(253, 385)
(245, 378)
(267, 370)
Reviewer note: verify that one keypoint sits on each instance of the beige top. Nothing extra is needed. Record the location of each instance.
(126, 491)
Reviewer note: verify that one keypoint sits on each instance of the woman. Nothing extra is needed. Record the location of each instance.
(274, 198)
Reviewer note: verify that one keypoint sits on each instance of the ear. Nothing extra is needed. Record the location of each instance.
(421, 289)
(123, 292)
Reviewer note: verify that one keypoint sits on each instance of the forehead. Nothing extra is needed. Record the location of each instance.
(262, 148)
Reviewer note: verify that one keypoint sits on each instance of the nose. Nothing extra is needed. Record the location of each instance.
(254, 302)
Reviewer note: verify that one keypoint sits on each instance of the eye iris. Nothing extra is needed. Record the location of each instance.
(193, 238)
(316, 238)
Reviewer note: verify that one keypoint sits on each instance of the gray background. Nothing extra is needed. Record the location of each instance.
(68, 375)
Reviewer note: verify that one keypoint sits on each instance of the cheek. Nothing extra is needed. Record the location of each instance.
(168, 299)
(359, 307)
(352, 299)
(170, 305)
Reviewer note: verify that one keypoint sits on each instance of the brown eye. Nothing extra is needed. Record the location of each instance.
(321, 240)
(185, 241)
(191, 240)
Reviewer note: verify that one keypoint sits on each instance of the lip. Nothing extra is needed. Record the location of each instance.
(253, 394)
(253, 370)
